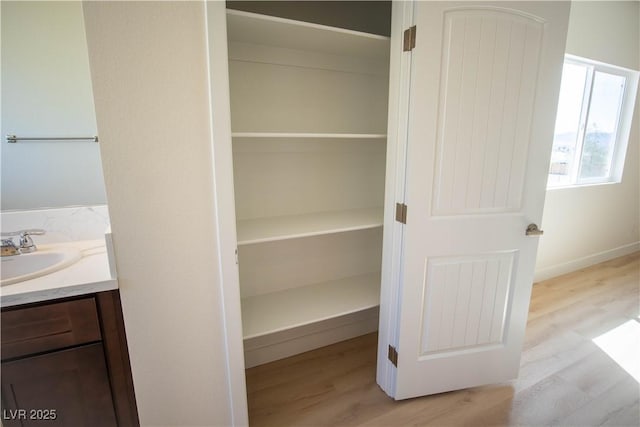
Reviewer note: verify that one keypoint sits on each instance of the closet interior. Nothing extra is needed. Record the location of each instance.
(309, 121)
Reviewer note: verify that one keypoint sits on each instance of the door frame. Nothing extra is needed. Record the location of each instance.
(395, 179)
(232, 352)
(224, 201)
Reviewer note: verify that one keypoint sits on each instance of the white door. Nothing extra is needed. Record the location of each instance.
(483, 93)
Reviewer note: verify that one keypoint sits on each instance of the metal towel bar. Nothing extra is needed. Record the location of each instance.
(13, 139)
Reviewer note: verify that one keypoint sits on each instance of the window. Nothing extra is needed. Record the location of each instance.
(592, 124)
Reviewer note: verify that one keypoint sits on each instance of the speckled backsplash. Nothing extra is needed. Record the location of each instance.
(61, 224)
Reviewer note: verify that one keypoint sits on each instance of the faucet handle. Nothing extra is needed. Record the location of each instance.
(9, 243)
(26, 243)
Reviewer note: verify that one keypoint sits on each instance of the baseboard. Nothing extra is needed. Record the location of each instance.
(577, 264)
(268, 348)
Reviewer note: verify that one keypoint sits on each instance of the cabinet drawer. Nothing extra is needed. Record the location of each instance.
(49, 327)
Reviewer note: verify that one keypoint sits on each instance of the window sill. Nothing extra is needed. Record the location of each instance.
(585, 185)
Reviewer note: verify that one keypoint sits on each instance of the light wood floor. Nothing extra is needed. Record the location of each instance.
(565, 379)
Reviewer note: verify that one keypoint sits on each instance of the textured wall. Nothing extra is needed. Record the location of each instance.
(149, 71)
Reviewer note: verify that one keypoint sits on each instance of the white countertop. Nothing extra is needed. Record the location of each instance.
(88, 275)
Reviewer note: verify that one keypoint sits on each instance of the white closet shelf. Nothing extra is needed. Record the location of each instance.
(293, 226)
(309, 135)
(250, 27)
(278, 311)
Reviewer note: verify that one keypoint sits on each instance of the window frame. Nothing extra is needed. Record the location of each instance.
(623, 126)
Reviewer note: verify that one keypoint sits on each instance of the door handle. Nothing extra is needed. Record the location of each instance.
(533, 230)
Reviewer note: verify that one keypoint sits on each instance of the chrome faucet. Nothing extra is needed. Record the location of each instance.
(25, 245)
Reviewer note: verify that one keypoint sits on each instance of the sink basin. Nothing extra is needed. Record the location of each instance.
(18, 268)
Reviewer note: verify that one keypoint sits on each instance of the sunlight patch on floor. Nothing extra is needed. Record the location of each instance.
(622, 344)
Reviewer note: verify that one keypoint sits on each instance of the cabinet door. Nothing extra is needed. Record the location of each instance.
(65, 388)
(484, 89)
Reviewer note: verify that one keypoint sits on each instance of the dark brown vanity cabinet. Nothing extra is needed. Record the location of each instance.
(65, 363)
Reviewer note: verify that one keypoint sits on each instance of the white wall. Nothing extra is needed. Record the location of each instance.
(149, 71)
(46, 91)
(590, 224)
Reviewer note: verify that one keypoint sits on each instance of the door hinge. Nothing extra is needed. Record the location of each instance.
(393, 355)
(401, 213)
(409, 39)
